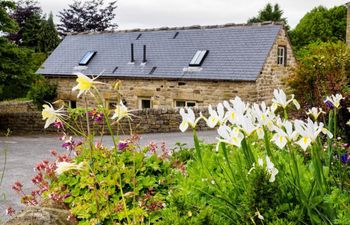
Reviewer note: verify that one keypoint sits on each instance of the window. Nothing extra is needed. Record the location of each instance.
(183, 103)
(282, 55)
(87, 57)
(71, 104)
(145, 103)
(111, 104)
(199, 57)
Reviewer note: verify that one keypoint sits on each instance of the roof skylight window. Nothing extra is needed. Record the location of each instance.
(199, 57)
(87, 58)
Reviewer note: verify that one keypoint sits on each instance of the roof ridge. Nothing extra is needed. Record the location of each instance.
(191, 27)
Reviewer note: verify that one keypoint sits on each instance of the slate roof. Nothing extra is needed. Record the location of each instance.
(235, 53)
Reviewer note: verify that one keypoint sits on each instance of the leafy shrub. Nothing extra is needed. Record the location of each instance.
(323, 69)
(142, 181)
(42, 91)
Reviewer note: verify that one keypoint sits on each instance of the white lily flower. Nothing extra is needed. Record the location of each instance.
(235, 108)
(334, 99)
(280, 99)
(50, 114)
(120, 112)
(284, 133)
(245, 123)
(280, 139)
(315, 112)
(188, 119)
(66, 166)
(260, 217)
(84, 83)
(239, 106)
(265, 117)
(309, 132)
(304, 142)
(216, 117)
(231, 136)
(271, 169)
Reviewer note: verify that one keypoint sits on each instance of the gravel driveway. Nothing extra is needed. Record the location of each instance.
(23, 152)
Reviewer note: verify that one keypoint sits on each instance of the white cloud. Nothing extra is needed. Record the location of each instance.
(159, 13)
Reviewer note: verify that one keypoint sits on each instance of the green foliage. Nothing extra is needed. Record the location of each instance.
(30, 32)
(320, 24)
(340, 199)
(323, 69)
(16, 70)
(7, 23)
(42, 91)
(17, 64)
(270, 13)
(48, 39)
(143, 181)
(35, 31)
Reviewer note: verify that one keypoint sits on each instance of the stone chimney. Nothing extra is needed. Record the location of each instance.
(348, 24)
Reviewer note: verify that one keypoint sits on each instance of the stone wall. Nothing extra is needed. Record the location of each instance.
(163, 93)
(17, 106)
(272, 75)
(143, 121)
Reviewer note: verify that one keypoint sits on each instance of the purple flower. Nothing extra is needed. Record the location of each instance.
(96, 116)
(99, 117)
(345, 158)
(122, 145)
(70, 144)
(328, 103)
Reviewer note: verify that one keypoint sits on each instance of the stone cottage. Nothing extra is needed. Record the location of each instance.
(176, 67)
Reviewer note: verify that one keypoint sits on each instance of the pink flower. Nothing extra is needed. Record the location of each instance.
(53, 152)
(10, 211)
(58, 124)
(17, 186)
(153, 147)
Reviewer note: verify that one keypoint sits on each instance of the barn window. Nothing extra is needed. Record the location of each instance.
(145, 103)
(87, 58)
(184, 103)
(282, 55)
(72, 104)
(199, 57)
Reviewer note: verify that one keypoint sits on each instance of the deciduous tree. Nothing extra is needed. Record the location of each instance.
(320, 24)
(28, 15)
(17, 65)
(92, 15)
(7, 24)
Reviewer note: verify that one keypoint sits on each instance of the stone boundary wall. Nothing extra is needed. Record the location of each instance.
(143, 121)
(20, 106)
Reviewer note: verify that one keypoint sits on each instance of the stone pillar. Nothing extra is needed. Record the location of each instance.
(348, 24)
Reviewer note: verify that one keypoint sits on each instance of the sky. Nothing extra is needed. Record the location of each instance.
(171, 13)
